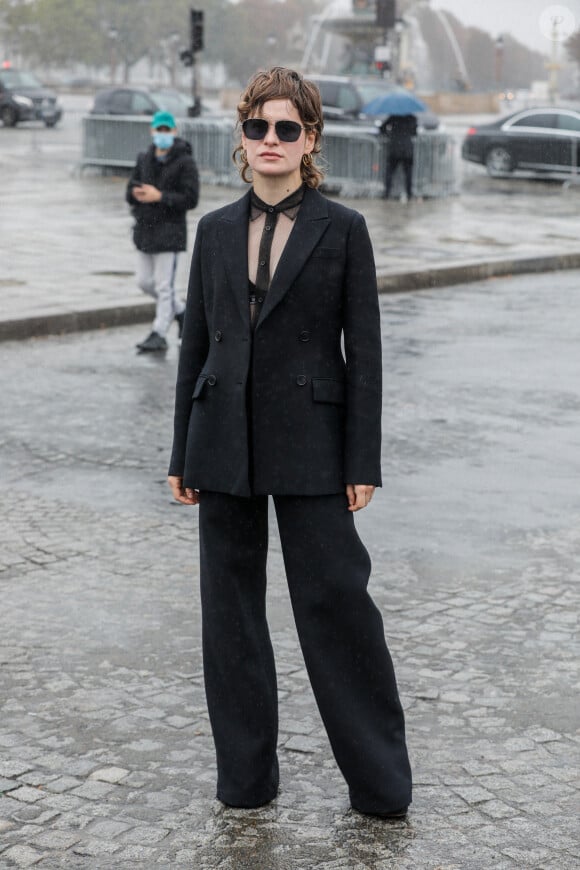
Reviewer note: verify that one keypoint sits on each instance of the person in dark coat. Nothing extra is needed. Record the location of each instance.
(400, 131)
(267, 404)
(163, 187)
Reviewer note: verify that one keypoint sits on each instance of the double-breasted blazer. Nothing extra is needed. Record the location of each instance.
(293, 406)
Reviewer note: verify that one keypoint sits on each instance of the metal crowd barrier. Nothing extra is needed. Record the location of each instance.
(115, 141)
(354, 157)
(435, 168)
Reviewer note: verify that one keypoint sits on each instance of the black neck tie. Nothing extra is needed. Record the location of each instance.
(289, 206)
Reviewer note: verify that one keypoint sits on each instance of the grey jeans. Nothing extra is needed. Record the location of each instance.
(156, 277)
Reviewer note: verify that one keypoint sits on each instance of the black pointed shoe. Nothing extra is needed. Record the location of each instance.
(393, 816)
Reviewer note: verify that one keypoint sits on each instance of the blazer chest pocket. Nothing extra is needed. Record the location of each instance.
(328, 390)
(326, 253)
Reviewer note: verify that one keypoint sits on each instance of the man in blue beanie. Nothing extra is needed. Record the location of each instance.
(163, 186)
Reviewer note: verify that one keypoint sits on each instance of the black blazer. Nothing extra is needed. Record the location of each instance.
(315, 410)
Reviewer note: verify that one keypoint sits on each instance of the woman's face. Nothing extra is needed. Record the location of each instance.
(270, 157)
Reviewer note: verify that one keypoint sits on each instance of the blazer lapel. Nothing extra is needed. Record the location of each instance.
(233, 236)
(311, 223)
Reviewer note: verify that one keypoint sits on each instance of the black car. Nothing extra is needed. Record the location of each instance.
(537, 140)
(344, 99)
(138, 101)
(23, 98)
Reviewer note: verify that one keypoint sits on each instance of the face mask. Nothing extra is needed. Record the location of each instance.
(163, 141)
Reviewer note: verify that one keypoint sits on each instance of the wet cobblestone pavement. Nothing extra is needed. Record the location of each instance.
(106, 758)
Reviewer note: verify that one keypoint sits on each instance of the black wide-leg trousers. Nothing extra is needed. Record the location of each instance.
(341, 634)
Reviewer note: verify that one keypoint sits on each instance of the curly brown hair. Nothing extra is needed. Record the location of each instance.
(280, 83)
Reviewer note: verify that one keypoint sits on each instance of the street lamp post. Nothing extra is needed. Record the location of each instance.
(172, 43)
(554, 66)
(499, 58)
(399, 30)
(271, 42)
(113, 37)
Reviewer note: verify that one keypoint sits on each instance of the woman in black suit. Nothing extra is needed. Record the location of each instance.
(267, 404)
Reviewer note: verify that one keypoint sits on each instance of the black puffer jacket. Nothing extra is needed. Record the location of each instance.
(161, 226)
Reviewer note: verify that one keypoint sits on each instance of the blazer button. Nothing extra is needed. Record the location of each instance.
(212, 380)
(304, 336)
(301, 380)
(218, 335)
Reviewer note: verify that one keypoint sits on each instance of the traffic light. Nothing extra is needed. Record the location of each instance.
(386, 14)
(196, 28)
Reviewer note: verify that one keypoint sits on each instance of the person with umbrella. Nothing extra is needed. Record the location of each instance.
(400, 131)
(400, 128)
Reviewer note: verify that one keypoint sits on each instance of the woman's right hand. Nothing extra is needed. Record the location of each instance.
(183, 496)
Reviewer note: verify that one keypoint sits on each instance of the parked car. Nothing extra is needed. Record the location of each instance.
(344, 99)
(139, 101)
(23, 98)
(538, 140)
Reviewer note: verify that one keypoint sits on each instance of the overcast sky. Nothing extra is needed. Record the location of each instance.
(521, 18)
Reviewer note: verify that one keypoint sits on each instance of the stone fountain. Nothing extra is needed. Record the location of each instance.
(345, 37)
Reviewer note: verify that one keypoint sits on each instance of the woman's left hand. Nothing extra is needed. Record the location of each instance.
(358, 495)
(183, 496)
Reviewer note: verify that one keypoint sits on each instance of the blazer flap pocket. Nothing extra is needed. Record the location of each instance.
(328, 390)
(199, 386)
(326, 253)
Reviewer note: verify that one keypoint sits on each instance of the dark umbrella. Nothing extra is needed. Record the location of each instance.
(394, 104)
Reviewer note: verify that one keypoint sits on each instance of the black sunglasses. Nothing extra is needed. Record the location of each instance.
(286, 131)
